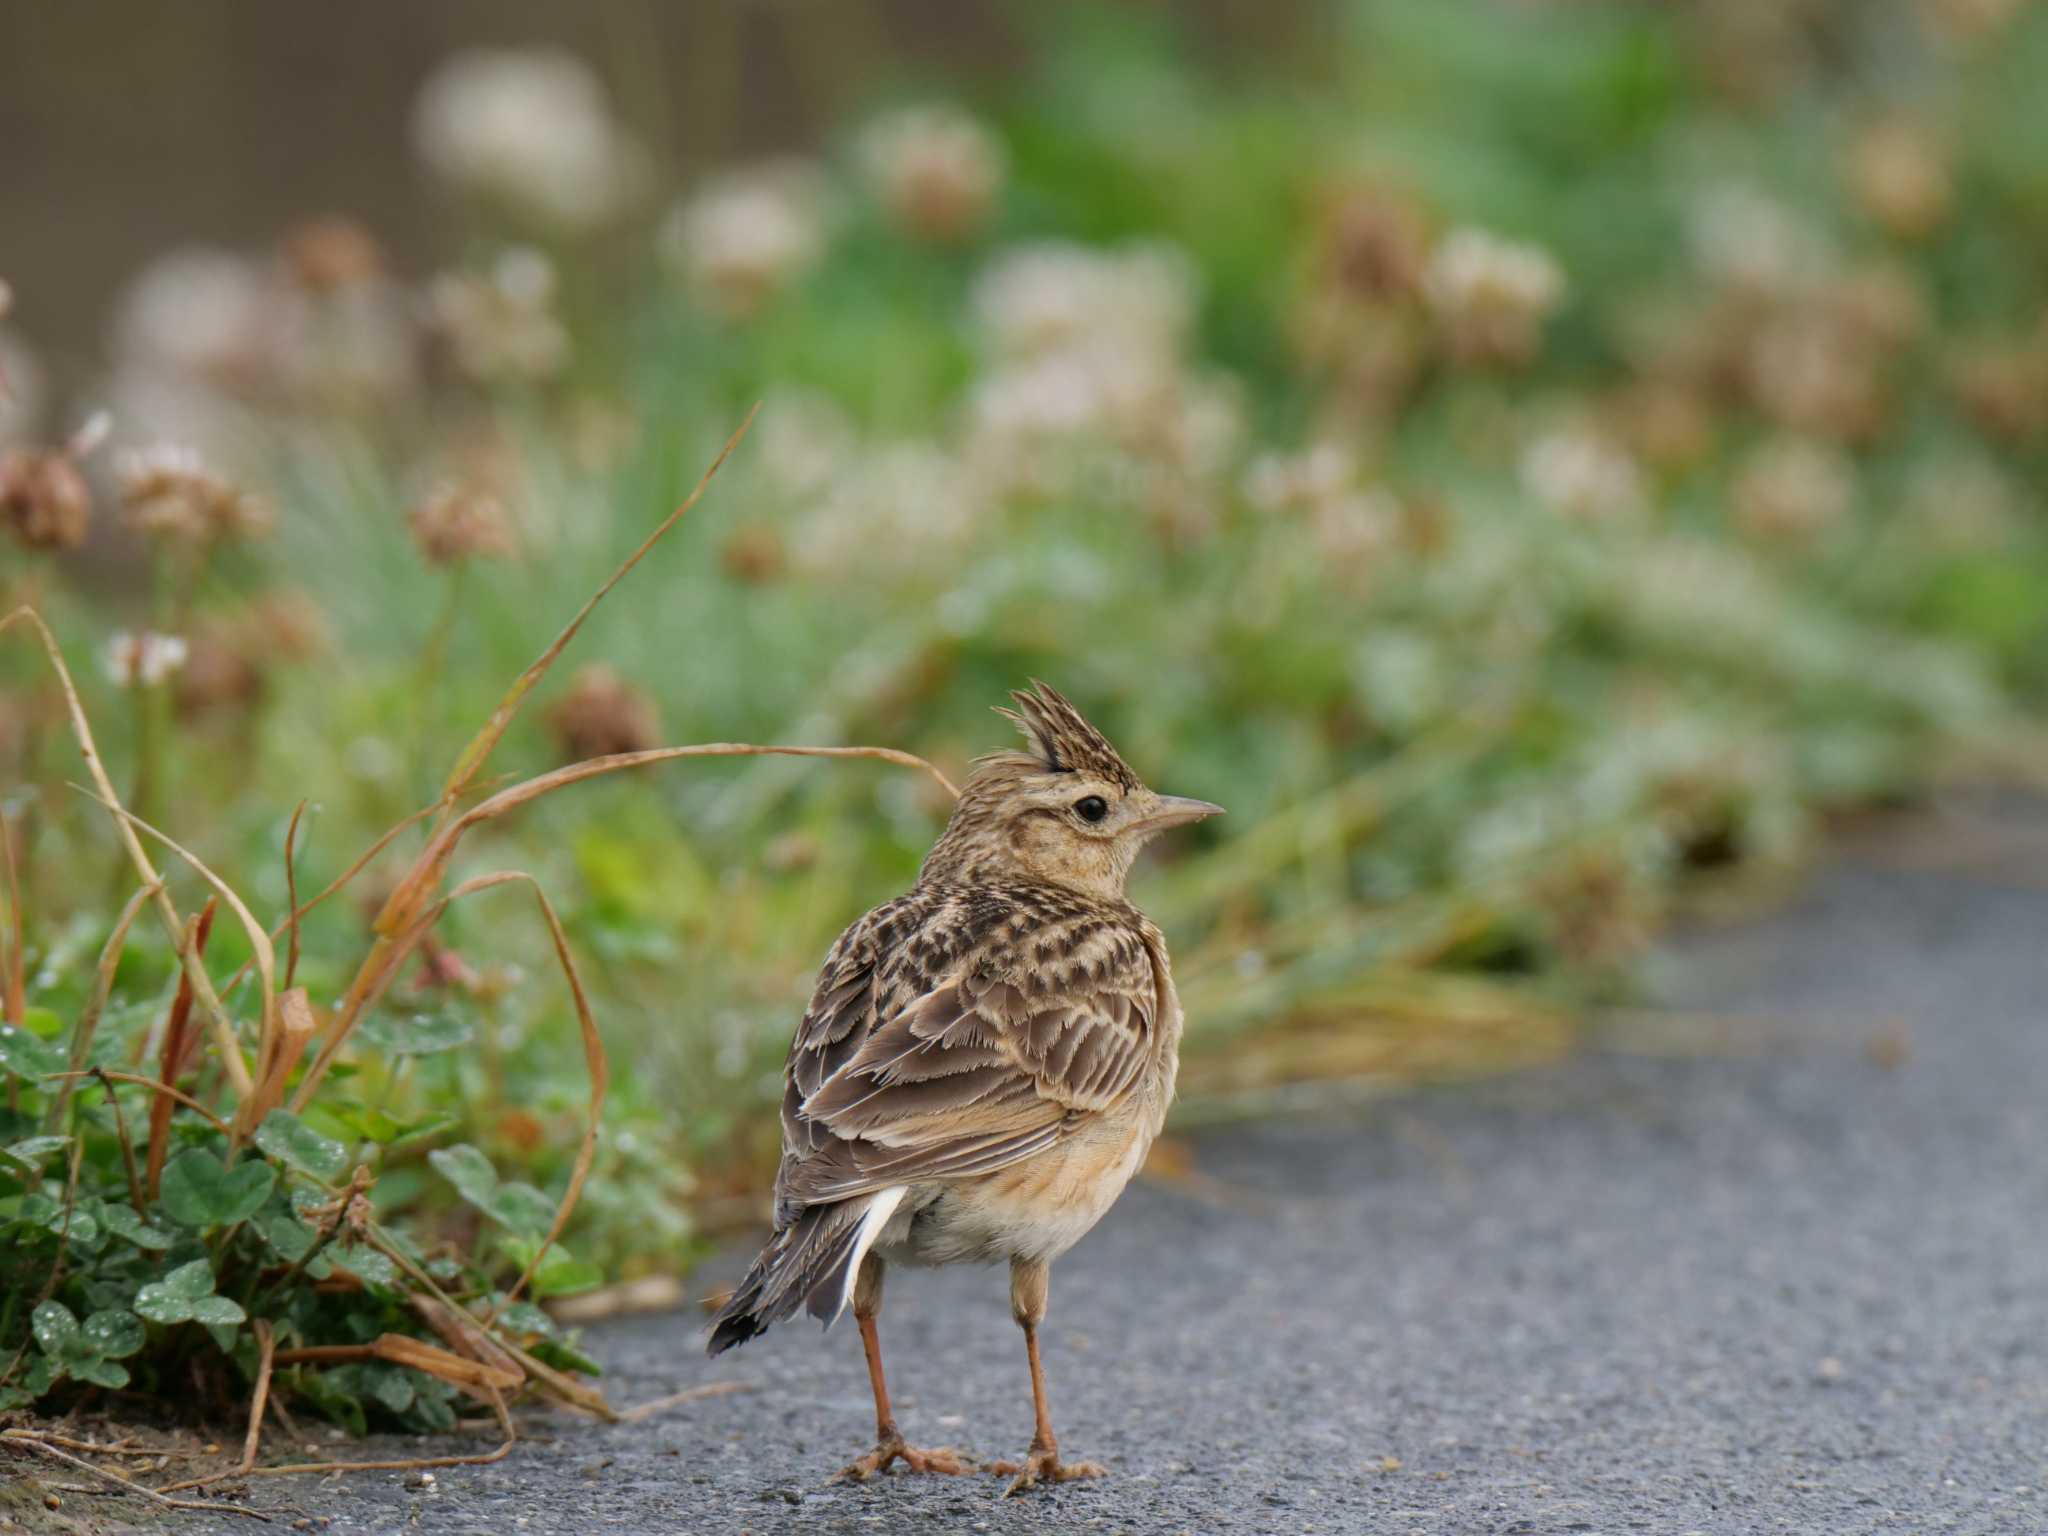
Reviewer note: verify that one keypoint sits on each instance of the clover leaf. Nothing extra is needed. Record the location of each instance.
(122, 1221)
(519, 1207)
(186, 1295)
(424, 1034)
(25, 1056)
(284, 1136)
(89, 1353)
(200, 1191)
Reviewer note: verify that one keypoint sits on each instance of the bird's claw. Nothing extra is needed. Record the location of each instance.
(942, 1460)
(1044, 1467)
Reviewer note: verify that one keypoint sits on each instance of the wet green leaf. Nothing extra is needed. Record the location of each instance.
(425, 1034)
(113, 1334)
(218, 1311)
(366, 1264)
(33, 1151)
(55, 1328)
(469, 1171)
(122, 1221)
(297, 1145)
(523, 1208)
(175, 1298)
(26, 1056)
(101, 1373)
(289, 1236)
(395, 1390)
(200, 1191)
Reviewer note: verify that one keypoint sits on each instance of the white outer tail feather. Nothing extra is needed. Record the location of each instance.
(871, 1224)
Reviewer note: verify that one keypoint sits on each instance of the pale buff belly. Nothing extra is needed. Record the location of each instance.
(1033, 1210)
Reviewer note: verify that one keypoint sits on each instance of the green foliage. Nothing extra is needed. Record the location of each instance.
(284, 1136)
(106, 1291)
(200, 1191)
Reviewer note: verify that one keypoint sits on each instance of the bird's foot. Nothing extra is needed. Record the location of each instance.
(1044, 1467)
(942, 1460)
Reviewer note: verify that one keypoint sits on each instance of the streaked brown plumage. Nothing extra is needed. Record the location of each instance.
(984, 1063)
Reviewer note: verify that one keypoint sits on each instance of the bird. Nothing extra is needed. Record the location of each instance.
(984, 1064)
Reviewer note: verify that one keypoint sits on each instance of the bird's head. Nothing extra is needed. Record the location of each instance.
(1067, 812)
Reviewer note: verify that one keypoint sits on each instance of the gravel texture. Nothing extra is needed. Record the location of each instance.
(1771, 1260)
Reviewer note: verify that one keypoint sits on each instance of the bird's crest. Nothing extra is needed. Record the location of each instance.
(1061, 740)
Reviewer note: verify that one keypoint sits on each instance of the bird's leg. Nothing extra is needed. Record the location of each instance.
(889, 1446)
(1028, 1286)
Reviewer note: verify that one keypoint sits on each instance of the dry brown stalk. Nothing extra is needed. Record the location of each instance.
(465, 1335)
(167, 910)
(472, 1376)
(176, 1052)
(297, 1024)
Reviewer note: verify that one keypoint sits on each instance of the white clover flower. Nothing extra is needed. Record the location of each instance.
(1714, 592)
(533, 128)
(1492, 295)
(1042, 298)
(1793, 491)
(938, 171)
(1088, 351)
(745, 237)
(1747, 240)
(1210, 426)
(805, 441)
(22, 390)
(502, 324)
(143, 660)
(1581, 476)
(905, 507)
(1278, 482)
(1354, 524)
(196, 313)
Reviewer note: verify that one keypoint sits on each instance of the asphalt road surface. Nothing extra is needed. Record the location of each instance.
(1775, 1259)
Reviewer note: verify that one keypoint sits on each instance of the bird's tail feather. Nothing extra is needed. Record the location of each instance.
(810, 1263)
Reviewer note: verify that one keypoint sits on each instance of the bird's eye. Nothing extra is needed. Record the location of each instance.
(1091, 808)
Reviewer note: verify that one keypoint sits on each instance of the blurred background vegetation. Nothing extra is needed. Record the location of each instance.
(1532, 462)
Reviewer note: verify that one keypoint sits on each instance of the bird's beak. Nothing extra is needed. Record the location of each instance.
(1177, 811)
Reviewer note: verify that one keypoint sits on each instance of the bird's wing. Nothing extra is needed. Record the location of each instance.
(988, 1064)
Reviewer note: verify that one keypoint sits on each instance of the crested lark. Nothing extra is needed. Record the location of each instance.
(984, 1063)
